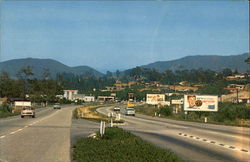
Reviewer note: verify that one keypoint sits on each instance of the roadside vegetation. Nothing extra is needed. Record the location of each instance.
(5, 111)
(228, 114)
(90, 113)
(119, 145)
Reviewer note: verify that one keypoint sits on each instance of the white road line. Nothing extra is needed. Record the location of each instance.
(26, 126)
(233, 148)
(12, 132)
(2, 136)
(19, 129)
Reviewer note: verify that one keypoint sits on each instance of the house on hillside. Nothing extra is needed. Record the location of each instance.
(241, 97)
(3, 100)
(105, 98)
(68, 94)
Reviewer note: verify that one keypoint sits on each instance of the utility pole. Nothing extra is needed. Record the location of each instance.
(237, 93)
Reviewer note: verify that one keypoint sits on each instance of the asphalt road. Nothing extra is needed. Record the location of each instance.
(192, 141)
(45, 138)
(48, 137)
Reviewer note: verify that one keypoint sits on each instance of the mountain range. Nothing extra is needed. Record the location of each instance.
(215, 63)
(12, 67)
(212, 62)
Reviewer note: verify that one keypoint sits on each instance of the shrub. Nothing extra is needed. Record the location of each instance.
(119, 145)
(166, 110)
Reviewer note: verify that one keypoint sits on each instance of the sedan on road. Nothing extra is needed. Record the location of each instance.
(57, 106)
(28, 111)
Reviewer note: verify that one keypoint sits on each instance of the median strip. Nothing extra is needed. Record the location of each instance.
(119, 145)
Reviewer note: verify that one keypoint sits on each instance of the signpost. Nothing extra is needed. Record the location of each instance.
(177, 104)
(102, 128)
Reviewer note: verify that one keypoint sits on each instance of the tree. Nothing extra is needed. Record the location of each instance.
(117, 73)
(25, 72)
(227, 72)
(108, 74)
(46, 73)
(247, 60)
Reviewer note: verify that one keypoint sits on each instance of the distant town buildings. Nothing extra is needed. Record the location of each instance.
(3, 100)
(241, 97)
(68, 94)
(105, 98)
(118, 86)
(237, 76)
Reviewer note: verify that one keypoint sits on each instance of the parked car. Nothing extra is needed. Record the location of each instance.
(116, 109)
(130, 111)
(28, 111)
(57, 106)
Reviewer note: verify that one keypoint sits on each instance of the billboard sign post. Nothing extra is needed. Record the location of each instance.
(200, 103)
(155, 99)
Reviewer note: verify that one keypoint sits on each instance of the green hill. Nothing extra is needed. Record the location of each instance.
(212, 62)
(38, 65)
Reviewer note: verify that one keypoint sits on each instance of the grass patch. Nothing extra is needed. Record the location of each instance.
(5, 111)
(7, 114)
(119, 145)
(91, 113)
(228, 114)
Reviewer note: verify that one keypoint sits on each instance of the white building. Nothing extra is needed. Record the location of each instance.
(84, 98)
(68, 94)
(89, 98)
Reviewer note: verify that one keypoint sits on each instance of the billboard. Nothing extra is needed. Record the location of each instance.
(200, 103)
(22, 103)
(155, 99)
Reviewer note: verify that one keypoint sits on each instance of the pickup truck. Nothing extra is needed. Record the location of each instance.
(28, 111)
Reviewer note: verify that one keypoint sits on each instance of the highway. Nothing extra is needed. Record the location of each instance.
(192, 141)
(49, 136)
(45, 138)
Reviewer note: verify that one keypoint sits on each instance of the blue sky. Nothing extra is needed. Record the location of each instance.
(113, 35)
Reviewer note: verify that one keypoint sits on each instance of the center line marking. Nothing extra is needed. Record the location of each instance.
(12, 132)
(2, 136)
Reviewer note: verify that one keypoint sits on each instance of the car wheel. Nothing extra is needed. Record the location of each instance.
(22, 116)
(33, 116)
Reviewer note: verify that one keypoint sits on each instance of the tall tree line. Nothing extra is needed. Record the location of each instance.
(42, 90)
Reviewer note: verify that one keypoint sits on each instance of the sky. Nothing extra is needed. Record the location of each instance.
(117, 35)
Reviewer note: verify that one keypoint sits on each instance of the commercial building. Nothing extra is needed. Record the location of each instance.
(68, 94)
(89, 98)
(106, 98)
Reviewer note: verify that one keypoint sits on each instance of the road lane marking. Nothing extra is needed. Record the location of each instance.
(244, 150)
(2, 136)
(28, 126)
(213, 142)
